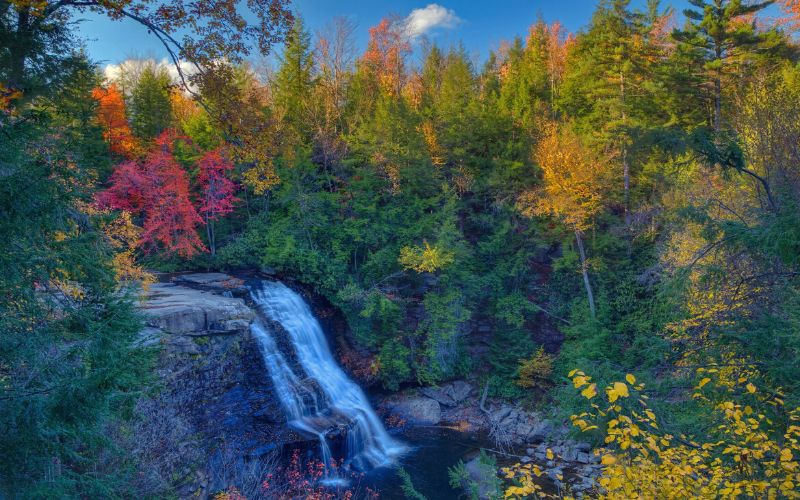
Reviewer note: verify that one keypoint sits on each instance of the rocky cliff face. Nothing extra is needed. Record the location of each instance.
(216, 409)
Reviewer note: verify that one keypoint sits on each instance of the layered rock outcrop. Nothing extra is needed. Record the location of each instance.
(213, 384)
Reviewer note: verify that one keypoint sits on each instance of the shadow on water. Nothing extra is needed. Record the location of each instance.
(433, 451)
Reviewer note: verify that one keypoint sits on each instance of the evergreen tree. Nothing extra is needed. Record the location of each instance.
(725, 36)
(69, 371)
(613, 82)
(294, 82)
(150, 107)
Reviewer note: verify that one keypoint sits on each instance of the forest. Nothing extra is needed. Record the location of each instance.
(604, 223)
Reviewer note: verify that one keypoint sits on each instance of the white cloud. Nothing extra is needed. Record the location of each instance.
(422, 21)
(131, 68)
(112, 72)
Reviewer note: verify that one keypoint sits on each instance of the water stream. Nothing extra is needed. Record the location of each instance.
(316, 394)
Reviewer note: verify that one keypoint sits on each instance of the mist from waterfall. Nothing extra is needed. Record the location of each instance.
(323, 396)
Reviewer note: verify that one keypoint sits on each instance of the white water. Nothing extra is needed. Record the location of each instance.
(340, 400)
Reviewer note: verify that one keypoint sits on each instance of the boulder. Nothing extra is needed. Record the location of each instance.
(181, 310)
(524, 429)
(554, 474)
(460, 390)
(500, 414)
(482, 479)
(451, 394)
(540, 432)
(417, 410)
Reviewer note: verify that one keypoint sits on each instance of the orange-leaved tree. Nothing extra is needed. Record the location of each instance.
(113, 119)
(386, 53)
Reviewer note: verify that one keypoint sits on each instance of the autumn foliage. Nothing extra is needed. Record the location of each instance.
(747, 452)
(386, 52)
(216, 191)
(158, 191)
(112, 118)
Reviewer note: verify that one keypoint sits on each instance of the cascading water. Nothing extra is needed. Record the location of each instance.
(323, 396)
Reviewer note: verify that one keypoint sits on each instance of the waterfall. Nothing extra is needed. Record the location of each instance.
(322, 396)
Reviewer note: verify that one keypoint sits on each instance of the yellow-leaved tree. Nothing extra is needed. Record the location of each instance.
(573, 187)
(751, 450)
(425, 259)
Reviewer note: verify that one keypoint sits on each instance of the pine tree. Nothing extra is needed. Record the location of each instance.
(294, 81)
(723, 32)
(612, 82)
(150, 105)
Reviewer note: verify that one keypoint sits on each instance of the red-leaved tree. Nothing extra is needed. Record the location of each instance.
(158, 191)
(128, 188)
(216, 191)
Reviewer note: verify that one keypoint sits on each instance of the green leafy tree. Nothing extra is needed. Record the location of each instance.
(613, 81)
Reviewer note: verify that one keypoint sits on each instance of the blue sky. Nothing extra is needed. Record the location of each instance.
(480, 24)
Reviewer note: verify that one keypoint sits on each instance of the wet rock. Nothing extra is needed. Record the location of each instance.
(216, 389)
(419, 410)
(269, 271)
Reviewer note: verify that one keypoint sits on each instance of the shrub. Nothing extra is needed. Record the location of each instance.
(534, 373)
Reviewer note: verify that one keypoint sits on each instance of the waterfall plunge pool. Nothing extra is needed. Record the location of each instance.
(314, 392)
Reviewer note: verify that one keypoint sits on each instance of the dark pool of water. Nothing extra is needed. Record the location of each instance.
(432, 452)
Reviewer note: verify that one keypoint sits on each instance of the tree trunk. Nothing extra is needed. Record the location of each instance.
(626, 181)
(717, 104)
(626, 169)
(585, 272)
(212, 246)
(718, 90)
